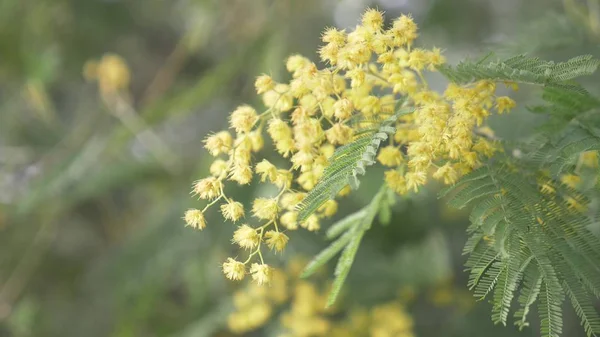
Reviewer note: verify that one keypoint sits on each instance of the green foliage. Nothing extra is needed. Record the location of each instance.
(347, 163)
(523, 69)
(353, 228)
(522, 237)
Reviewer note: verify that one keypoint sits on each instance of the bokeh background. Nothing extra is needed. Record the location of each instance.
(92, 189)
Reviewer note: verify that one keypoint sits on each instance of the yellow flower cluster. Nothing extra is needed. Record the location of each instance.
(303, 313)
(371, 69)
(254, 305)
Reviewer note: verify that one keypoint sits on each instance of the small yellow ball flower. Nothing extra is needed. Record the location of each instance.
(218, 143)
(504, 104)
(357, 77)
(290, 200)
(257, 141)
(246, 237)
(390, 156)
(266, 170)
(295, 63)
(265, 209)
(446, 173)
(346, 190)
(208, 188)
(195, 219)
(276, 240)
(435, 58)
(263, 84)
(343, 109)
(234, 270)
(396, 182)
(232, 210)
(329, 208)
(415, 179)
(261, 273)
(243, 118)
(417, 59)
(372, 19)
(289, 220)
(339, 134)
(403, 31)
(311, 223)
(283, 179)
(334, 36)
(242, 174)
(218, 167)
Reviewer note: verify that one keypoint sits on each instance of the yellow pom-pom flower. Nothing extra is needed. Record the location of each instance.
(218, 143)
(232, 210)
(264, 208)
(208, 188)
(246, 237)
(276, 240)
(390, 156)
(234, 270)
(261, 273)
(243, 118)
(195, 218)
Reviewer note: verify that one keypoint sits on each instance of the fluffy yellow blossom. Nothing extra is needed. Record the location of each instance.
(266, 170)
(283, 179)
(290, 200)
(329, 208)
(208, 188)
(446, 173)
(311, 223)
(265, 209)
(232, 210)
(243, 118)
(289, 220)
(261, 273)
(372, 19)
(256, 140)
(240, 173)
(218, 143)
(403, 31)
(415, 179)
(396, 181)
(504, 104)
(276, 240)
(218, 167)
(343, 109)
(339, 134)
(234, 270)
(246, 237)
(390, 156)
(194, 218)
(263, 84)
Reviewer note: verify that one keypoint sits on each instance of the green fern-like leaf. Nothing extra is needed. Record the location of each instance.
(519, 236)
(353, 228)
(524, 69)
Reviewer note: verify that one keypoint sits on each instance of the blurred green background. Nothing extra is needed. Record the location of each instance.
(92, 191)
